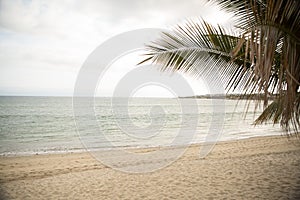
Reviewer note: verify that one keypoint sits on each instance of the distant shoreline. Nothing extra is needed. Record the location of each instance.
(230, 96)
(206, 96)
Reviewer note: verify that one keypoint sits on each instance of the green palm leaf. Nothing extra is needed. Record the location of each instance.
(199, 49)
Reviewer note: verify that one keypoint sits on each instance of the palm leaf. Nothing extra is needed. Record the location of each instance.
(199, 49)
(263, 58)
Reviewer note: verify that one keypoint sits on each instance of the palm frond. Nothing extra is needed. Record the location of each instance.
(200, 49)
(273, 30)
(263, 58)
(271, 112)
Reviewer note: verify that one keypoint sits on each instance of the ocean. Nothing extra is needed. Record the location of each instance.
(39, 125)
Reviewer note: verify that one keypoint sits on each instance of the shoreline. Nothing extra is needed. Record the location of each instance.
(84, 150)
(259, 167)
(289, 139)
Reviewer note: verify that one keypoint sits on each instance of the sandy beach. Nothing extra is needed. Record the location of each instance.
(256, 168)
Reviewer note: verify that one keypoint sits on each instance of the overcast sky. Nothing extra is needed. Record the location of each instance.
(44, 43)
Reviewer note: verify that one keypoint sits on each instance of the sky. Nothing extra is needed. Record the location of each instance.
(44, 43)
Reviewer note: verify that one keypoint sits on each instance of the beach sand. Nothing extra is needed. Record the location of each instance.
(256, 168)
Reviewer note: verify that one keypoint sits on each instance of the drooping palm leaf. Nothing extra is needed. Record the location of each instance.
(273, 29)
(272, 112)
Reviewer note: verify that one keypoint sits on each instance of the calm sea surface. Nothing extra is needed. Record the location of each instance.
(30, 125)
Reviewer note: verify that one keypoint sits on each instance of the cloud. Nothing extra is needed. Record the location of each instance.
(57, 36)
(66, 18)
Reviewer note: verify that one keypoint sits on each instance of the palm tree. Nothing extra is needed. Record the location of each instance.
(263, 57)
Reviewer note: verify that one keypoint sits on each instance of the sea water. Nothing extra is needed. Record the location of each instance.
(34, 125)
